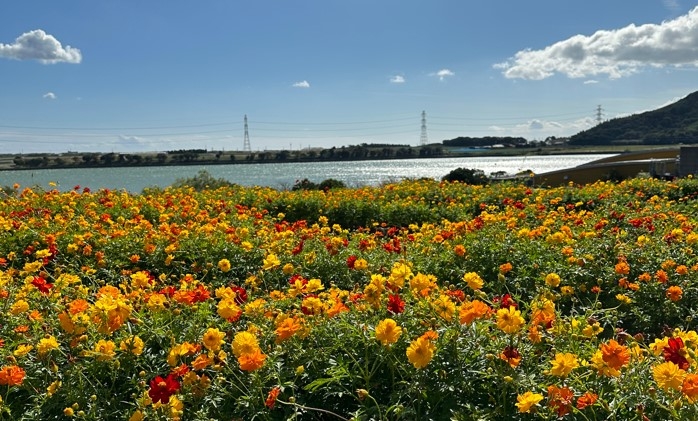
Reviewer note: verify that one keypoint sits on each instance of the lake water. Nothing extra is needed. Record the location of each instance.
(352, 173)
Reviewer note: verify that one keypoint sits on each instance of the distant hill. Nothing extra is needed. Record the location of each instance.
(673, 124)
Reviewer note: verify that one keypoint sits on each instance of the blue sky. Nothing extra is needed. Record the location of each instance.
(155, 75)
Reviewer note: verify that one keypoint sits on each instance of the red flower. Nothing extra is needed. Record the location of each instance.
(504, 301)
(41, 284)
(240, 294)
(351, 260)
(395, 304)
(161, 389)
(675, 353)
(271, 397)
(299, 248)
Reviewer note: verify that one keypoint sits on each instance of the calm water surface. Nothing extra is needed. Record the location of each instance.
(352, 173)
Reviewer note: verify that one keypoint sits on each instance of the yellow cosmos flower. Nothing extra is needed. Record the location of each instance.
(444, 307)
(224, 265)
(133, 344)
(270, 262)
(563, 364)
(46, 345)
(527, 401)
(420, 352)
(473, 280)
(509, 320)
(104, 350)
(552, 280)
(244, 343)
(388, 332)
(668, 376)
(213, 339)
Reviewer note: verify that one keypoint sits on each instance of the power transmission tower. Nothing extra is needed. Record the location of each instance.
(423, 137)
(246, 145)
(599, 115)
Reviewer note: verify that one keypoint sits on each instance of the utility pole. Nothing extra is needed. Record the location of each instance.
(423, 137)
(599, 115)
(246, 145)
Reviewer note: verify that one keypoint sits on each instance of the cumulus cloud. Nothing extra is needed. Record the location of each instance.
(50, 95)
(302, 84)
(397, 79)
(38, 45)
(443, 73)
(590, 82)
(615, 53)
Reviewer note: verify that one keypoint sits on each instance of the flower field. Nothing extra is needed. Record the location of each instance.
(416, 300)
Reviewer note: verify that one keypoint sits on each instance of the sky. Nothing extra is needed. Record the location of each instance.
(158, 75)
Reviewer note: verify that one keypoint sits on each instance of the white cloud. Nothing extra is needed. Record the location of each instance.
(397, 79)
(615, 53)
(302, 84)
(38, 45)
(50, 95)
(443, 73)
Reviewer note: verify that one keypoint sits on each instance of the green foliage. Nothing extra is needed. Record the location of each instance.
(202, 181)
(466, 175)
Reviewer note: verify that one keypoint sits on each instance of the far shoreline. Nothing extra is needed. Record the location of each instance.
(74, 160)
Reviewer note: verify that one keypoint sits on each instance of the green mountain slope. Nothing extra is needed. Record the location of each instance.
(675, 123)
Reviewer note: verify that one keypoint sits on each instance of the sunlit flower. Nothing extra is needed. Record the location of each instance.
(104, 350)
(286, 328)
(162, 388)
(444, 307)
(689, 387)
(560, 399)
(388, 332)
(473, 280)
(552, 280)
(251, 361)
(244, 343)
(213, 339)
(46, 345)
(420, 352)
(587, 399)
(11, 375)
(132, 344)
(674, 293)
(668, 375)
(224, 265)
(527, 401)
(509, 320)
(469, 311)
(563, 364)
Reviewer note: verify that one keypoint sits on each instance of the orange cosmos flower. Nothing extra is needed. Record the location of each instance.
(615, 355)
(251, 361)
(286, 328)
(12, 375)
(587, 399)
(505, 268)
(271, 397)
(472, 310)
(674, 293)
(560, 399)
(622, 268)
(690, 387)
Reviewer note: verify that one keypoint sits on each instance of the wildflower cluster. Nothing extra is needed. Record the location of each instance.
(414, 300)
